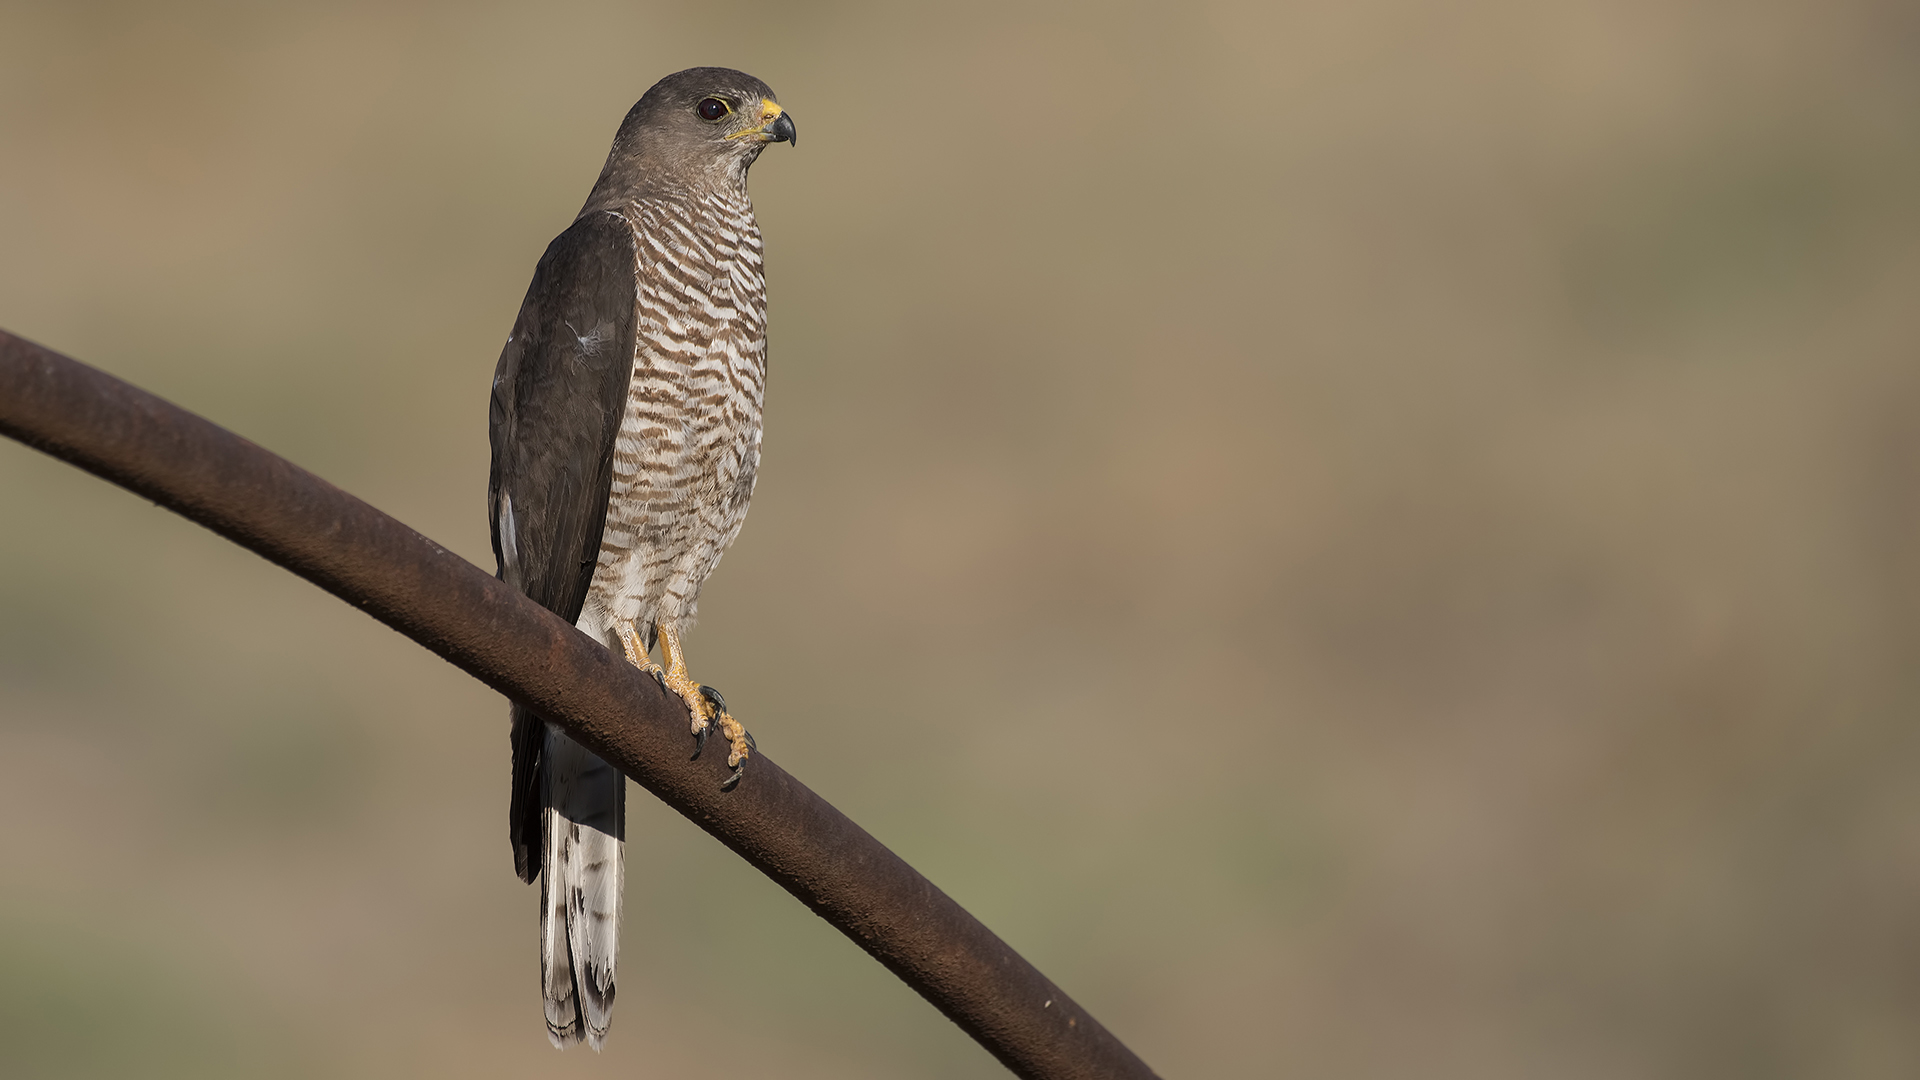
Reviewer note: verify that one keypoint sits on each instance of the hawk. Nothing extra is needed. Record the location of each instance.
(625, 428)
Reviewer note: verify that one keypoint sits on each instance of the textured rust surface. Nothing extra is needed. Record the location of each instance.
(291, 517)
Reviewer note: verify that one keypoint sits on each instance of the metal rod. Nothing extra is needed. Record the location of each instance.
(291, 517)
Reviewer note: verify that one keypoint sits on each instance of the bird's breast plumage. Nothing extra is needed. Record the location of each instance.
(688, 446)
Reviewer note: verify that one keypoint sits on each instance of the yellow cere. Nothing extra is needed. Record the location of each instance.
(769, 112)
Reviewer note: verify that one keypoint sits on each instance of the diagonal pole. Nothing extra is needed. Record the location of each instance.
(293, 518)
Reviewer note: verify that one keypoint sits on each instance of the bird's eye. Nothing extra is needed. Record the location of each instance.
(713, 109)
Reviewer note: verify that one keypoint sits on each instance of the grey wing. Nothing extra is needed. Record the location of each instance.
(558, 395)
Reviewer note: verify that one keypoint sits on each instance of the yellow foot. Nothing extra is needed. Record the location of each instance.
(706, 707)
(636, 649)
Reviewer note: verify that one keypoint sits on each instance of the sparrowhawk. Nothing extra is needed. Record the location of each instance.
(625, 427)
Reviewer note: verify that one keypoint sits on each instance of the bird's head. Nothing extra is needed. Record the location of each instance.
(695, 128)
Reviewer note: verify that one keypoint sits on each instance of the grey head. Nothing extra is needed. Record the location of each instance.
(696, 131)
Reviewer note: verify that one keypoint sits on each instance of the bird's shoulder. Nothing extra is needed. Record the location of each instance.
(581, 289)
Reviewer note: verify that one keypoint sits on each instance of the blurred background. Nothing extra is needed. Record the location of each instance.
(1369, 540)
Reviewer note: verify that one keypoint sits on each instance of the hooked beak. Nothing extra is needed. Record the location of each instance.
(775, 125)
(781, 130)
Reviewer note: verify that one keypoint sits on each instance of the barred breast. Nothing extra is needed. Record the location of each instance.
(689, 442)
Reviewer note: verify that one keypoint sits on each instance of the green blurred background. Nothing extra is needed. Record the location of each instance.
(1368, 539)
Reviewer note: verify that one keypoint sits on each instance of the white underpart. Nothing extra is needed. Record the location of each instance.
(688, 448)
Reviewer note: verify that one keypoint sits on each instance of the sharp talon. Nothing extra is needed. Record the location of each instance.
(705, 707)
(659, 676)
(751, 745)
(730, 782)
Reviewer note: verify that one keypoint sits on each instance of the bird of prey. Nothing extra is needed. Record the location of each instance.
(625, 427)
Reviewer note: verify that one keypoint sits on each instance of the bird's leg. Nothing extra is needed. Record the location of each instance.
(706, 705)
(636, 649)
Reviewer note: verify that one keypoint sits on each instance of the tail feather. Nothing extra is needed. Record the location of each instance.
(584, 804)
(526, 813)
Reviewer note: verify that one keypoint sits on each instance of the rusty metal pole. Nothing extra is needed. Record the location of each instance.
(291, 517)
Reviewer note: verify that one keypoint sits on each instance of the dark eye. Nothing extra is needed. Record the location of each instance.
(713, 109)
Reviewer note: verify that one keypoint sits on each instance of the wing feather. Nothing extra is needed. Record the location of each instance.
(558, 396)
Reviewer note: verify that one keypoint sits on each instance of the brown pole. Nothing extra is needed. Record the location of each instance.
(287, 515)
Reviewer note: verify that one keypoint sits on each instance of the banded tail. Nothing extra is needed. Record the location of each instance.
(580, 804)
